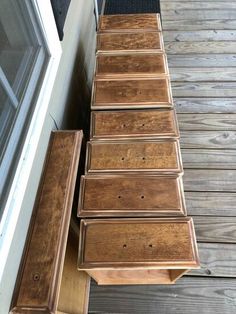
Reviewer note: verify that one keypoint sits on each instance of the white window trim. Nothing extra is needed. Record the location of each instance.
(13, 206)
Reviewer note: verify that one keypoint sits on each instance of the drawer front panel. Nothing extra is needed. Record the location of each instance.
(131, 196)
(154, 93)
(135, 123)
(124, 42)
(154, 156)
(129, 22)
(148, 64)
(137, 243)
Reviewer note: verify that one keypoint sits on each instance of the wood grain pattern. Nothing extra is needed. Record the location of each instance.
(204, 89)
(40, 276)
(75, 285)
(215, 229)
(217, 259)
(210, 180)
(208, 158)
(157, 157)
(155, 243)
(206, 14)
(205, 105)
(211, 203)
(200, 35)
(129, 22)
(200, 47)
(132, 196)
(213, 122)
(193, 4)
(129, 42)
(188, 295)
(134, 124)
(132, 93)
(201, 60)
(203, 74)
(131, 65)
(199, 24)
(208, 139)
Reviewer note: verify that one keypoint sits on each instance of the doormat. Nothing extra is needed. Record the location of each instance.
(131, 6)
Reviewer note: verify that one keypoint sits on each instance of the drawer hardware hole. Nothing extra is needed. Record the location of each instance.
(119, 196)
(150, 245)
(143, 158)
(142, 196)
(124, 125)
(143, 124)
(123, 158)
(124, 246)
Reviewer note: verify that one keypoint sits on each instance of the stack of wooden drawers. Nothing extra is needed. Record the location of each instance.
(135, 229)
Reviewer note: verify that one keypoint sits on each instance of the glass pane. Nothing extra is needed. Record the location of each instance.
(19, 44)
(7, 113)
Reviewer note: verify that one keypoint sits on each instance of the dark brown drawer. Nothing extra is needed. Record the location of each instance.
(131, 196)
(130, 42)
(131, 93)
(131, 65)
(156, 157)
(137, 251)
(129, 22)
(149, 123)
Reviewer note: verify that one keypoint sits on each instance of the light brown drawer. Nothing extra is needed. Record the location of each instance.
(131, 196)
(149, 123)
(137, 251)
(131, 65)
(131, 93)
(156, 157)
(130, 42)
(129, 22)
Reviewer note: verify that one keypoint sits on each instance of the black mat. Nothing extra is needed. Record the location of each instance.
(131, 6)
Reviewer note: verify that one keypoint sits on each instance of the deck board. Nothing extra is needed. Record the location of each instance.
(200, 41)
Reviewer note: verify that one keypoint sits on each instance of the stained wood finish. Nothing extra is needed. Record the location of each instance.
(129, 22)
(134, 124)
(132, 93)
(39, 279)
(157, 157)
(137, 244)
(131, 65)
(130, 42)
(131, 196)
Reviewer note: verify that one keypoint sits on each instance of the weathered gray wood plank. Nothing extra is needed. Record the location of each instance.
(198, 24)
(200, 35)
(194, 4)
(188, 295)
(208, 159)
(208, 139)
(204, 89)
(217, 260)
(210, 180)
(202, 60)
(211, 203)
(207, 122)
(205, 105)
(187, 47)
(203, 74)
(216, 229)
(203, 14)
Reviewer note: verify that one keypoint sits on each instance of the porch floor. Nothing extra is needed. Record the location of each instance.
(200, 41)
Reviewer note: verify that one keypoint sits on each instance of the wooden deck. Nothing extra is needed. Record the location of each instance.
(200, 40)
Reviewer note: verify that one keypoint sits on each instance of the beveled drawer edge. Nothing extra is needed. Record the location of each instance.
(125, 213)
(178, 171)
(123, 137)
(194, 264)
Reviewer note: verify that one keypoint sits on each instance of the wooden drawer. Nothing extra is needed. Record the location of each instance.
(155, 157)
(137, 251)
(131, 196)
(130, 42)
(150, 123)
(131, 65)
(129, 22)
(131, 93)
(48, 280)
